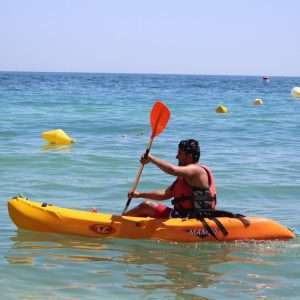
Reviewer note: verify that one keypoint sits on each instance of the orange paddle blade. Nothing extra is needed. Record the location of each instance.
(160, 115)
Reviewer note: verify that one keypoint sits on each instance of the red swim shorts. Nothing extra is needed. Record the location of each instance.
(162, 211)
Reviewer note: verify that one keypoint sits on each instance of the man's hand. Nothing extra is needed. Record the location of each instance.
(146, 158)
(133, 194)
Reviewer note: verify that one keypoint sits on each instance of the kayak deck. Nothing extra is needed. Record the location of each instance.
(35, 216)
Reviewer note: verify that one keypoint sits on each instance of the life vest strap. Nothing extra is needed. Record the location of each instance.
(215, 213)
(220, 226)
(208, 228)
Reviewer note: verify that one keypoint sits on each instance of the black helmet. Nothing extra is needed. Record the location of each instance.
(190, 146)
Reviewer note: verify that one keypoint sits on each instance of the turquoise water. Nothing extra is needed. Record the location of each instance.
(253, 150)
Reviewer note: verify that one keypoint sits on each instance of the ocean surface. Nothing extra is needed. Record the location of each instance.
(253, 150)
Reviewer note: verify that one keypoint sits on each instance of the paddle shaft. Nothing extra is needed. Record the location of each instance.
(138, 175)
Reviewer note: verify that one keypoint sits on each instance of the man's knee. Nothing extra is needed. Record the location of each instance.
(144, 205)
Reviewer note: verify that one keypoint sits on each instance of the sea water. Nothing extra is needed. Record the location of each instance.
(253, 151)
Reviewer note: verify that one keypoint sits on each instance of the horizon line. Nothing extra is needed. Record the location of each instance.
(143, 73)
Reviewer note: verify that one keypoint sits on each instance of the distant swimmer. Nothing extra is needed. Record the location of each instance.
(266, 78)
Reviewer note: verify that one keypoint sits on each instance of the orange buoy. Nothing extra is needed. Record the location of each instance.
(222, 109)
(57, 137)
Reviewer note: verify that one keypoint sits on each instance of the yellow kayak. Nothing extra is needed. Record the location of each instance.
(35, 216)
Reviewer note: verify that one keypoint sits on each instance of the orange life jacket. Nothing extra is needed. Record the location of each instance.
(189, 199)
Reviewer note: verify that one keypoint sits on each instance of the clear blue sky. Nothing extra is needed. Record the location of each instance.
(251, 37)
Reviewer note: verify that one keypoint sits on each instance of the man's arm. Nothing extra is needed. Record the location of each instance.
(185, 171)
(158, 195)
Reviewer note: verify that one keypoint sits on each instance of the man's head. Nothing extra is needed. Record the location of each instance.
(190, 148)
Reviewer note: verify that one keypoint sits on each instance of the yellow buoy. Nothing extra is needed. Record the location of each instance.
(57, 137)
(295, 91)
(222, 109)
(258, 101)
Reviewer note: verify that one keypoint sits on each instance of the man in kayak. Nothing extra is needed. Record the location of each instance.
(193, 190)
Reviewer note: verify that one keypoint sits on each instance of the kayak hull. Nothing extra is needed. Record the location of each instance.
(35, 216)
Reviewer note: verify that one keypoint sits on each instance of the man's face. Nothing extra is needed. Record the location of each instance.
(182, 157)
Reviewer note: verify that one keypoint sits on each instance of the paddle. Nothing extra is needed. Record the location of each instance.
(159, 118)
